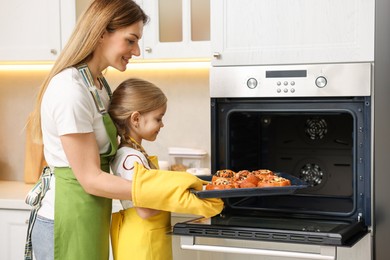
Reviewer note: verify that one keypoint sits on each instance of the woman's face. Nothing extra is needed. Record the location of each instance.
(116, 48)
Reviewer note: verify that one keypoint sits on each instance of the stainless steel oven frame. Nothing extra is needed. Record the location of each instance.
(300, 88)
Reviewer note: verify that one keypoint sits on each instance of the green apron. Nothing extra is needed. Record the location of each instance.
(81, 220)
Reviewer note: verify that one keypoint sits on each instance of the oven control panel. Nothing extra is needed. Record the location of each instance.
(352, 79)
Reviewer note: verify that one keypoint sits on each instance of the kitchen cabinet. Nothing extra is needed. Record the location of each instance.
(34, 30)
(178, 29)
(262, 32)
(14, 217)
(13, 226)
(37, 30)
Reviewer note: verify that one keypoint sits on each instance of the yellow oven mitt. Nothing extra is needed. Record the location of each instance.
(170, 191)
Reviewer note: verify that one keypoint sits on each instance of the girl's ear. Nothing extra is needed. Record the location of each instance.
(134, 119)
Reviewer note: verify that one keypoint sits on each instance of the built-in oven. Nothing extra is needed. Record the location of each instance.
(312, 122)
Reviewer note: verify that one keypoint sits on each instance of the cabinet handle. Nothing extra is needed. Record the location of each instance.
(217, 55)
(148, 49)
(53, 51)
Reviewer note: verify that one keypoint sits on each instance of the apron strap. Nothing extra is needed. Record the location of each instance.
(88, 79)
(34, 199)
(110, 127)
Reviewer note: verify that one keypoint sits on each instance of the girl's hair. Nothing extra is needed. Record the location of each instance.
(101, 16)
(130, 96)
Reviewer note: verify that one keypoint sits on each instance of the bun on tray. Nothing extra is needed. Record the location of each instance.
(228, 179)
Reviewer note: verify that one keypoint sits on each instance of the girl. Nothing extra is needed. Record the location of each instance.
(137, 109)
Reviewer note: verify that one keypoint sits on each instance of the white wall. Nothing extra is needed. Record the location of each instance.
(187, 122)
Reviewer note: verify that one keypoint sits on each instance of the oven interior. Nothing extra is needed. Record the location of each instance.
(316, 147)
(323, 141)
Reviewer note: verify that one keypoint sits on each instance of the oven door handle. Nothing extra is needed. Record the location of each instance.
(327, 252)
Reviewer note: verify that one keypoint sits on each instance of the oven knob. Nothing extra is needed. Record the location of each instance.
(321, 82)
(251, 83)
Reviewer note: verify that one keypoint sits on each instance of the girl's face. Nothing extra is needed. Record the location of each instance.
(117, 48)
(148, 125)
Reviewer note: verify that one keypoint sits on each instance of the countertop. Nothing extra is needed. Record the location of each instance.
(13, 193)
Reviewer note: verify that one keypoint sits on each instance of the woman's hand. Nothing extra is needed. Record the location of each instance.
(171, 191)
(82, 153)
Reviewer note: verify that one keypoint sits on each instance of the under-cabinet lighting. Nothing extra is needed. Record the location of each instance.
(169, 65)
(137, 64)
(26, 67)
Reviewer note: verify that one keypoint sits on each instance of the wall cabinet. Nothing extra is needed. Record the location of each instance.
(34, 30)
(13, 226)
(37, 30)
(177, 29)
(262, 32)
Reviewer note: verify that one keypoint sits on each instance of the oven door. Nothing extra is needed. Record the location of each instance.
(273, 238)
(206, 243)
(233, 249)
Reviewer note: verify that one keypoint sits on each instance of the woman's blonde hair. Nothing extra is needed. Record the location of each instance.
(101, 16)
(130, 96)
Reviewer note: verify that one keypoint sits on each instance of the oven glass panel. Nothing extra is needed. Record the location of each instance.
(313, 231)
(315, 147)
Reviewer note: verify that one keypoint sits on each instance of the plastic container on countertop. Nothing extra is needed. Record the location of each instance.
(188, 159)
(199, 171)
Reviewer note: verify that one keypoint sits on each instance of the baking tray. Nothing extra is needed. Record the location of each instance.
(296, 184)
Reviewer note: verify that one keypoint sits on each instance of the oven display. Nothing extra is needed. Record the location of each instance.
(286, 74)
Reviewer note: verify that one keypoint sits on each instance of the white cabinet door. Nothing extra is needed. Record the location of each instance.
(177, 29)
(13, 226)
(264, 32)
(34, 30)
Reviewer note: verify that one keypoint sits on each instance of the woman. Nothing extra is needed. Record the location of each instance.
(79, 140)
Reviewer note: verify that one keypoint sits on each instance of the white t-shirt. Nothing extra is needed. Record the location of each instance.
(123, 166)
(67, 108)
